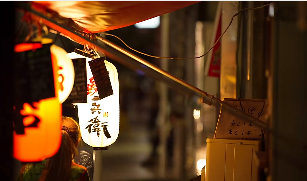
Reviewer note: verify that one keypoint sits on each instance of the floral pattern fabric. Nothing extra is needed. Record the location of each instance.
(37, 172)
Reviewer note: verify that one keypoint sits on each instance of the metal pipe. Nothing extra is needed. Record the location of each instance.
(97, 158)
(161, 71)
(195, 89)
(163, 113)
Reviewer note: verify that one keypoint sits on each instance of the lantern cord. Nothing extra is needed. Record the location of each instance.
(92, 52)
(97, 54)
(245, 9)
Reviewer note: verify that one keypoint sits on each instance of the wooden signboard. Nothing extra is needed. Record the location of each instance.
(34, 75)
(230, 126)
(79, 91)
(34, 81)
(101, 77)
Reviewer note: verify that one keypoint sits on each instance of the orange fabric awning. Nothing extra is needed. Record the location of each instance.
(100, 16)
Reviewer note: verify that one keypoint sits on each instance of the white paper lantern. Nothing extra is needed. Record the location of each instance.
(66, 72)
(99, 119)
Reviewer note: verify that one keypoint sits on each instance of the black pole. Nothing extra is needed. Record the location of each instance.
(7, 19)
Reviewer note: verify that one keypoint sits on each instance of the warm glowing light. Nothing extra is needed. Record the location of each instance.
(43, 141)
(27, 46)
(99, 119)
(196, 114)
(199, 127)
(65, 66)
(200, 164)
(74, 55)
(150, 23)
(271, 10)
(65, 70)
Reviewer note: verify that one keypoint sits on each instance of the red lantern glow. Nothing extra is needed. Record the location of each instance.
(27, 46)
(43, 141)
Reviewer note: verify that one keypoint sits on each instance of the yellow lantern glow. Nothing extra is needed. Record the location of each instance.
(99, 119)
(196, 114)
(65, 70)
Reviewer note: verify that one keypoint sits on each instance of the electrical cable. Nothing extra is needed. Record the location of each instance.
(188, 57)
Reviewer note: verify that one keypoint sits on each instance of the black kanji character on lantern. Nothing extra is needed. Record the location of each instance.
(95, 108)
(19, 126)
(238, 124)
(95, 121)
(233, 123)
(248, 132)
(35, 122)
(250, 124)
(230, 131)
(105, 130)
(95, 98)
(96, 129)
(89, 128)
(236, 133)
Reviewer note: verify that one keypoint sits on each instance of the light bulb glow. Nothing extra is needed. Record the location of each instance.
(200, 164)
(196, 114)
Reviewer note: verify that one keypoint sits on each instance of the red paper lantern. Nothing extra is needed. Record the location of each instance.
(43, 141)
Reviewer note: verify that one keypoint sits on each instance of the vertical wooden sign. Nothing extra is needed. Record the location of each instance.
(79, 90)
(101, 77)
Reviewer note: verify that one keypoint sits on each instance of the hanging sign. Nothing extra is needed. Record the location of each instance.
(79, 90)
(37, 121)
(101, 77)
(99, 118)
(230, 126)
(34, 74)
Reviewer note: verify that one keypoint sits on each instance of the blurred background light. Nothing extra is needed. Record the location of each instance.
(149, 24)
(196, 114)
(200, 164)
